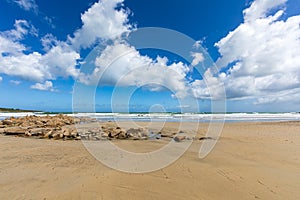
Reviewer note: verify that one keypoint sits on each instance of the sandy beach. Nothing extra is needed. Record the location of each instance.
(249, 161)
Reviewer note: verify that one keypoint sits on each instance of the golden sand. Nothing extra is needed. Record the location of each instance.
(250, 161)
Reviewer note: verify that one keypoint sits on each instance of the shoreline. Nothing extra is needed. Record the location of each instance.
(172, 117)
(85, 128)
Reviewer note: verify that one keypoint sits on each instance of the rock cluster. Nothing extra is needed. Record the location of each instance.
(114, 132)
(63, 127)
(56, 127)
(110, 131)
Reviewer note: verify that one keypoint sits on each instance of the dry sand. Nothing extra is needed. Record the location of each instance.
(250, 161)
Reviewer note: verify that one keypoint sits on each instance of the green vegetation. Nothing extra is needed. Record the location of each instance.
(16, 110)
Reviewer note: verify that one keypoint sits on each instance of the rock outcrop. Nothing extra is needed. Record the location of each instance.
(56, 127)
(62, 127)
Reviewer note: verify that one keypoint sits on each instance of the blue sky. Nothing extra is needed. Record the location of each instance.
(254, 44)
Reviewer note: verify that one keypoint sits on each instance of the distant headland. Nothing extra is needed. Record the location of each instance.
(16, 110)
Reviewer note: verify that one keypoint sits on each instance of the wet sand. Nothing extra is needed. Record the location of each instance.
(249, 161)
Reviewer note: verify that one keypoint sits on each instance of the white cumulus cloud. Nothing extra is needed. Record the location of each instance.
(121, 64)
(46, 86)
(262, 53)
(15, 82)
(210, 87)
(22, 28)
(101, 21)
(197, 58)
(260, 8)
(10, 40)
(59, 61)
(49, 41)
(27, 5)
